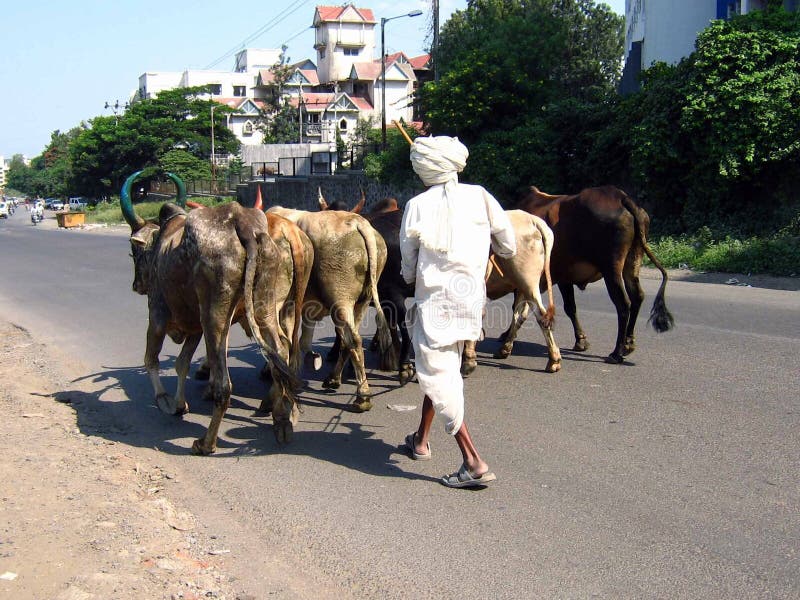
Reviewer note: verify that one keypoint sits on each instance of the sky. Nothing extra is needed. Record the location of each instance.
(63, 61)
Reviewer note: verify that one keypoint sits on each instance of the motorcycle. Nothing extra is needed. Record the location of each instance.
(36, 217)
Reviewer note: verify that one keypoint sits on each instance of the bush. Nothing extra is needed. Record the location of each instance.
(778, 256)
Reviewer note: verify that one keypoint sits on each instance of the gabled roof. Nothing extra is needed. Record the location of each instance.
(303, 77)
(347, 13)
(245, 105)
(298, 77)
(365, 71)
(422, 61)
(327, 101)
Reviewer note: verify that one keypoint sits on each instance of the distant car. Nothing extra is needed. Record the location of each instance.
(56, 204)
(3, 209)
(77, 203)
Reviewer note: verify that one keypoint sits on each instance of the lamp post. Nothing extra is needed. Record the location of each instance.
(384, 20)
(213, 156)
(115, 109)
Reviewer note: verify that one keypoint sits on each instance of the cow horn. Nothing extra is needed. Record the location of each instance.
(181, 199)
(135, 221)
(323, 205)
(360, 206)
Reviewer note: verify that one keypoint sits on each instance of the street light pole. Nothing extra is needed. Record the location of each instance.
(384, 20)
(213, 157)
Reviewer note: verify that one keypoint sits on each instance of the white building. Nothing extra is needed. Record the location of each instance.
(666, 30)
(343, 86)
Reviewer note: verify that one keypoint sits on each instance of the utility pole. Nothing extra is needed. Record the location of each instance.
(435, 48)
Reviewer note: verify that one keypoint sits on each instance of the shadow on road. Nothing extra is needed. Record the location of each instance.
(122, 409)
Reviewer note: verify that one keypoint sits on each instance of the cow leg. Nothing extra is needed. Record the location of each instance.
(636, 296)
(155, 340)
(520, 315)
(313, 359)
(345, 319)
(336, 349)
(407, 370)
(469, 359)
(201, 374)
(182, 364)
(219, 386)
(616, 290)
(393, 307)
(571, 310)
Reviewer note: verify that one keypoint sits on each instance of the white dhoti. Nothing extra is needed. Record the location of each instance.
(439, 377)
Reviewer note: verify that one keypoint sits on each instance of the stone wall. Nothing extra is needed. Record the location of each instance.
(301, 192)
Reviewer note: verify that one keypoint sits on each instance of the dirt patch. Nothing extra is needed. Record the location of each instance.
(82, 517)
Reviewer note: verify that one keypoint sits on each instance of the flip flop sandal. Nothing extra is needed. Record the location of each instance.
(410, 444)
(464, 479)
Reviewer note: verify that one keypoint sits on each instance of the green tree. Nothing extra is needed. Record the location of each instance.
(715, 140)
(527, 85)
(185, 165)
(111, 148)
(20, 176)
(279, 119)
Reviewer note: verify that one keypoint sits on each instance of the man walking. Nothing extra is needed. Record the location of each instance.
(444, 243)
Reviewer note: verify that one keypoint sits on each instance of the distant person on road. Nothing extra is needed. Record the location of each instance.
(444, 243)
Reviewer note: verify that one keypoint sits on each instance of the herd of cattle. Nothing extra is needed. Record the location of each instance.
(277, 273)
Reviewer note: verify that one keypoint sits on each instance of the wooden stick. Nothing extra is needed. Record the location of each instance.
(404, 132)
(496, 266)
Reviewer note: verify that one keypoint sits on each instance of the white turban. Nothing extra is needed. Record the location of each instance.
(438, 160)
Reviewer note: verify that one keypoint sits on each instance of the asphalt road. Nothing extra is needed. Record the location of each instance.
(675, 475)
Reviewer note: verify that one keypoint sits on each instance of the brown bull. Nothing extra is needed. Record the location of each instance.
(601, 233)
(201, 273)
(349, 256)
(522, 275)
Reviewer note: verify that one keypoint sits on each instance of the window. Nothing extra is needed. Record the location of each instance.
(351, 51)
(239, 90)
(343, 125)
(247, 128)
(215, 89)
(322, 53)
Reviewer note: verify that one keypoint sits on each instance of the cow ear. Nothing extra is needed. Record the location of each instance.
(144, 236)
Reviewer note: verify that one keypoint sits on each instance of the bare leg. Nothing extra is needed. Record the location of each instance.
(424, 429)
(472, 459)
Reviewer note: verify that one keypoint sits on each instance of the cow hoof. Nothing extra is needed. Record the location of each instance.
(468, 368)
(630, 346)
(406, 373)
(581, 345)
(331, 383)
(265, 407)
(362, 404)
(283, 432)
(614, 359)
(166, 404)
(553, 366)
(502, 353)
(202, 373)
(200, 449)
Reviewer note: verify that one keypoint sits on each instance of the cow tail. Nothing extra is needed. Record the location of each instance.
(384, 337)
(282, 374)
(660, 317)
(301, 275)
(547, 240)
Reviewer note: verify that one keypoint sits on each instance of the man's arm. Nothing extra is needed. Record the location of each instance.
(409, 245)
(504, 242)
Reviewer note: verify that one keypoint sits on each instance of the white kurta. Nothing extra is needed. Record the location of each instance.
(450, 290)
